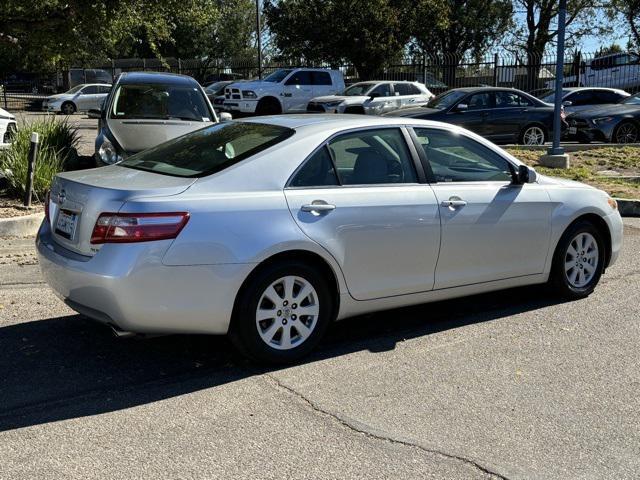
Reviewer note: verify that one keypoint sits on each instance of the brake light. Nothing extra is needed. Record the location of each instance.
(138, 227)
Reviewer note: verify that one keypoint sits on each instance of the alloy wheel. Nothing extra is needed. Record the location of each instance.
(68, 109)
(627, 133)
(533, 136)
(581, 260)
(287, 312)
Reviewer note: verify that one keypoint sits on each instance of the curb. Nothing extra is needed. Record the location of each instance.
(571, 147)
(24, 226)
(628, 207)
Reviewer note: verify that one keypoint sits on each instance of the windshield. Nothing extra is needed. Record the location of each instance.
(358, 89)
(446, 100)
(216, 87)
(159, 101)
(75, 89)
(277, 76)
(551, 97)
(632, 100)
(208, 150)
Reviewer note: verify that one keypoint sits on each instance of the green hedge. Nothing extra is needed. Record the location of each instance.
(56, 152)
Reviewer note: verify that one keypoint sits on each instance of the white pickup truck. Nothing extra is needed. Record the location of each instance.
(618, 70)
(285, 90)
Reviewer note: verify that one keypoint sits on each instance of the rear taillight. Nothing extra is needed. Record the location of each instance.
(138, 227)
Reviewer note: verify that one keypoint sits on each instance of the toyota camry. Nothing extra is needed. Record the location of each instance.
(269, 229)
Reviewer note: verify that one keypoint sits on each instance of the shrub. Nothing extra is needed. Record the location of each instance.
(57, 150)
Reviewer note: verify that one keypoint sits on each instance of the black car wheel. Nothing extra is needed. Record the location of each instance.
(626, 132)
(68, 108)
(533, 135)
(268, 106)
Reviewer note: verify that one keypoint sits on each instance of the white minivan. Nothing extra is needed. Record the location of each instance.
(285, 90)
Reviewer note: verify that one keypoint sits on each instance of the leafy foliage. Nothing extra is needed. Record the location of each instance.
(56, 151)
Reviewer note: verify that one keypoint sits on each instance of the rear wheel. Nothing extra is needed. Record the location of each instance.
(626, 132)
(268, 106)
(578, 261)
(68, 108)
(282, 314)
(533, 135)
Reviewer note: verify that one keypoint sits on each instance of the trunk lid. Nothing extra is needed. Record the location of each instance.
(137, 135)
(78, 198)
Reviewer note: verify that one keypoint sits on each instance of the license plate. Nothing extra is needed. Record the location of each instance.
(573, 130)
(66, 224)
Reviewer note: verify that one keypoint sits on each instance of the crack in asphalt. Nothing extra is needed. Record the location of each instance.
(385, 438)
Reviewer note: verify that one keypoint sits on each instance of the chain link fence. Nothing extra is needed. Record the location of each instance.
(531, 73)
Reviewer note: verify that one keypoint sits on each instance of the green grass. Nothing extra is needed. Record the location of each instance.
(586, 167)
(56, 152)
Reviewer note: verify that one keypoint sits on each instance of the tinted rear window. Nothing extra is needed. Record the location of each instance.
(208, 150)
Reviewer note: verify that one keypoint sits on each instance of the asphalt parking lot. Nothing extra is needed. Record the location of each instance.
(508, 385)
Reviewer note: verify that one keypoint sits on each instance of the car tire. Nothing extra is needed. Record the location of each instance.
(626, 132)
(533, 134)
(268, 325)
(578, 261)
(269, 106)
(68, 108)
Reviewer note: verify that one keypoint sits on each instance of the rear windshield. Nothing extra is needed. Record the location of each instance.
(208, 150)
(164, 102)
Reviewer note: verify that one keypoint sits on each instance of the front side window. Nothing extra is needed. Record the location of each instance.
(358, 89)
(208, 150)
(382, 90)
(479, 101)
(446, 100)
(157, 101)
(581, 98)
(90, 90)
(278, 75)
(377, 156)
(457, 158)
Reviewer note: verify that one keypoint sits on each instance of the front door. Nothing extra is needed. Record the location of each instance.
(472, 112)
(359, 197)
(87, 98)
(298, 90)
(492, 229)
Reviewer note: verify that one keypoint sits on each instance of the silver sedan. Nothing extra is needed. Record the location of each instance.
(271, 228)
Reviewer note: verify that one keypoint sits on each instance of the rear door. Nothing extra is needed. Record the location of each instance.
(298, 90)
(322, 85)
(508, 116)
(359, 196)
(491, 228)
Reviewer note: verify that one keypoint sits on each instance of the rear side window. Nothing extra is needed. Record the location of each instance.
(511, 99)
(208, 150)
(402, 89)
(321, 78)
(317, 171)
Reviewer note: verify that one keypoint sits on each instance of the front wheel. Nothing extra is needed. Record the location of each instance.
(626, 132)
(533, 135)
(282, 314)
(578, 261)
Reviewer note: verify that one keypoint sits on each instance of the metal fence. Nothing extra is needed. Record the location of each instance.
(440, 73)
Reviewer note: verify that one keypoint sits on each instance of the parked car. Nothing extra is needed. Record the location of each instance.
(373, 98)
(80, 98)
(271, 228)
(498, 114)
(285, 90)
(617, 70)
(8, 127)
(145, 109)
(585, 98)
(618, 123)
(215, 93)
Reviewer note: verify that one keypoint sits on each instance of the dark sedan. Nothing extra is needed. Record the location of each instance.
(498, 114)
(619, 123)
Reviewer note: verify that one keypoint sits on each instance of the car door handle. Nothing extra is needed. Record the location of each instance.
(318, 207)
(453, 203)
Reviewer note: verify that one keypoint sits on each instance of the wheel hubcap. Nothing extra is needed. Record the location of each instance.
(533, 136)
(581, 260)
(287, 312)
(627, 133)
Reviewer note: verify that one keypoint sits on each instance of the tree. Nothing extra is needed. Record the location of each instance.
(455, 28)
(629, 12)
(367, 33)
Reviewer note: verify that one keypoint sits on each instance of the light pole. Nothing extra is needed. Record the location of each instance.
(259, 34)
(556, 149)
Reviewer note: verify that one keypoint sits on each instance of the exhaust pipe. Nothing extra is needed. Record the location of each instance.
(121, 333)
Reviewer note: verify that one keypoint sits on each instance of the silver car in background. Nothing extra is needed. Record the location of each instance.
(372, 98)
(270, 228)
(80, 98)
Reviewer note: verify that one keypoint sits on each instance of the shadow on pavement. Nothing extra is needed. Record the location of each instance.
(69, 367)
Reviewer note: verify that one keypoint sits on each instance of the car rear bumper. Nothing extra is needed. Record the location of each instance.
(128, 287)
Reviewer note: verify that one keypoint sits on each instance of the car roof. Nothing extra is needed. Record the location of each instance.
(92, 84)
(577, 89)
(487, 89)
(156, 77)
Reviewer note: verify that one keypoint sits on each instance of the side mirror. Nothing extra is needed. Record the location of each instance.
(462, 107)
(526, 175)
(225, 116)
(95, 113)
(567, 103)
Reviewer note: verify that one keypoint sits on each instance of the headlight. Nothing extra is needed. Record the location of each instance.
(108, 154)
(600, 120)
(249, 94)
